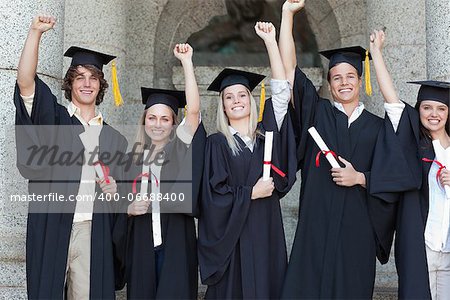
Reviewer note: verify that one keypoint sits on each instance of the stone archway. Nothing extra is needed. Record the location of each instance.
(176, 23)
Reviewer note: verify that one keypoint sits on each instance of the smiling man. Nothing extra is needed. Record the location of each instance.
(339, 231)
(72, 248)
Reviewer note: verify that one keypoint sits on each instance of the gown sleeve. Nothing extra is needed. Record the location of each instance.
(284, 149)
(224, 209)
(303, 111)
(396, 167)
(185, 164)
(45, 111)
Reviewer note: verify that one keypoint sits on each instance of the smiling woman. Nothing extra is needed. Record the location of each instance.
(417, 142)
(242, 251)
(161, 247)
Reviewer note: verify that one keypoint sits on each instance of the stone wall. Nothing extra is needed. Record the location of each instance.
(142, 33)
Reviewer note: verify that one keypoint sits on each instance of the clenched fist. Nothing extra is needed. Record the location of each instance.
(43, 23)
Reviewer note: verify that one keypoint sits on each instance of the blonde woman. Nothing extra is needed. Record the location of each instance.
(242, 251)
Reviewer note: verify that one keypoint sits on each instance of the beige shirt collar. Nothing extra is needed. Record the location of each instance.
(72, 109)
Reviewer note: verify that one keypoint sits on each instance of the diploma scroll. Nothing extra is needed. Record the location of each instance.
(323, 147)
(144, 179)
(268, 144)
(102, 171)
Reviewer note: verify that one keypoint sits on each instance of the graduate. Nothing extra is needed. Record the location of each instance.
(341, 228)
(412, 160)
(162, 245)
(71, 247)
(242, 250)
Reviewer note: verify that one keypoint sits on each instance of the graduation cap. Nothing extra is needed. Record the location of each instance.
(230, 77)
(250, 80)
(83, 56)
(172, 98)
(354, 56)
(433, 90)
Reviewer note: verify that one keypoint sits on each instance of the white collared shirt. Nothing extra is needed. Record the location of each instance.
(355, 114)
(246, 139)
(90, 140)
(437, 235)
(394, 111)
(281, 95)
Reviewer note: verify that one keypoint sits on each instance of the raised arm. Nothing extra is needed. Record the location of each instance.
(266, 31)
(281, 93)
(184, 53)
(286, 42)
(383, 77)
(26, 70)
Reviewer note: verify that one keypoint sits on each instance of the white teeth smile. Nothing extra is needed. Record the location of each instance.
(434, 122)
(345, 90)
(238, 108)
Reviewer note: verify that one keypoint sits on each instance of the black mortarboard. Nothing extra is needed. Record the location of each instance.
(433, 90)
(81, 56)
(352, 55)
(232, 76)
(174, 99)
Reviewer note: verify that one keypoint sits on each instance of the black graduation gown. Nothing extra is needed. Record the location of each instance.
(179, 274)
(242, 250)
(401, 176)
(48, 234)
(336, 240)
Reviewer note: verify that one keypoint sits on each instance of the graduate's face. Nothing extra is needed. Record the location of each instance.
(344, 83)
(433, 115)
(236, 102)
(159, 123)
(85, 87)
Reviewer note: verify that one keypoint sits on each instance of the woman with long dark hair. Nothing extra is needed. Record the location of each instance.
(411, 162)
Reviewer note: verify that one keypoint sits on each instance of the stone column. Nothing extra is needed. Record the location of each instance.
(438, 39)
(405, 56)
(16, 18)
(405, 46)
(101, 26)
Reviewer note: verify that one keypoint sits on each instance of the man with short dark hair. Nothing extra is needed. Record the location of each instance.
(341, 228)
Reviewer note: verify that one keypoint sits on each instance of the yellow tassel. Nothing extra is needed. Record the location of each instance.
(262, 101)
(118, 101)
(367, 74)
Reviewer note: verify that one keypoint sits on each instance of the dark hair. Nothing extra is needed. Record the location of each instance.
(425, 133)
(72, 72)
